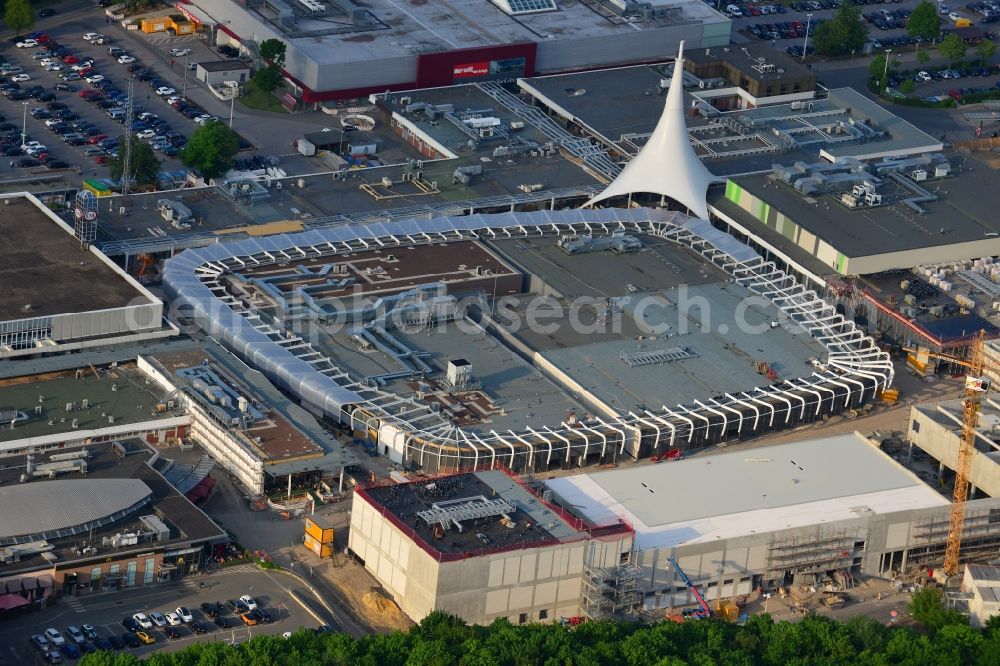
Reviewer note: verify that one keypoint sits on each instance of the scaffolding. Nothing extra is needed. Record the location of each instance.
(811, 555)
(611, 592)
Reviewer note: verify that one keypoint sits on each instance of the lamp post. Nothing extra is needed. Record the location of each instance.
(232, 104)
(805, 43)
(185, 86)
(885, 73)
(24, 124)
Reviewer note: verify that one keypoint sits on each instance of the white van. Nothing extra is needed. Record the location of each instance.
(733, 11)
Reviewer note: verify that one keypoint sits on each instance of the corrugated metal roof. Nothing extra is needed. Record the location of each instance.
(64, 504)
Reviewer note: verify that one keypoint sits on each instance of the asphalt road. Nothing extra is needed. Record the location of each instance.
(272, 590)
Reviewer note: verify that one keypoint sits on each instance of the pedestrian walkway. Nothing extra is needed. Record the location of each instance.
(75, 604)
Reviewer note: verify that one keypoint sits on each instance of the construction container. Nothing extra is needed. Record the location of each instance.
(98, 188)
(727, 610)
(321, 549)
(319, 530)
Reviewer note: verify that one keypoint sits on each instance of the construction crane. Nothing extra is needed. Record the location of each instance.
(704, 611)
(975, 387)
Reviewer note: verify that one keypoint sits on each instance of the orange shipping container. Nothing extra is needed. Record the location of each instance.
(319, 530)
(321, 549)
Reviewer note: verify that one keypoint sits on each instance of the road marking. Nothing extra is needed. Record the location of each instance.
(75, 604)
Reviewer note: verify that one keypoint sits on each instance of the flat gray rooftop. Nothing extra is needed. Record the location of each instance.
(615, 102)
(964, 213)
(425, 27)
(44, 271)
(659, 265)
(523, 394)
(463, 98)
(322, 196)
(725, 351)
(737, 493)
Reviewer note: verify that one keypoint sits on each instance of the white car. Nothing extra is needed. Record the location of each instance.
(146, 134)
(922, 76)
(163, 91)
(173, 619)
(47, 60)
(126, 60)
(75, 634)
(54, 637)
(52, 122)
(27, 44)
(158, 619)
(79, 67)
(20, 78)
(954, 16)
(143, 621)
(147, 116)
(184, 614)
(177, 53)
(35, 151)
(91, 36)
(94, 78)
(53, 67)
(174, 98)
(249, 602)
(204, 118)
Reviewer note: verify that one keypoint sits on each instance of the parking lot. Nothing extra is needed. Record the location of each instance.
(105, 612)
(784, 26)
(85, 79)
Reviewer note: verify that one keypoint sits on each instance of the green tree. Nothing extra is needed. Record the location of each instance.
(952, 47)
(923, 57)
(211, 149)
(907, 86)
(924, 22)
(927, 607)
(18, 16)
(844, 33)
(877, 67)
(267, 78)
(143, 166)
(272, 51)
(985, 50)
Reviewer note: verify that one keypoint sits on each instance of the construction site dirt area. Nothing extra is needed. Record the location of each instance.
(44, 271)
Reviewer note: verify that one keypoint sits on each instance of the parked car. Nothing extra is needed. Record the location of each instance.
(198, 627)
(40, 642)
(117, 643)
(142, 620)
(158, 619)
(27, 44)
(184, 614)
(171, 632)
(173, 619)
(131, 640)
(146, 638)
(125, 60)
(75, 634)
(71, 651)
(225, 622)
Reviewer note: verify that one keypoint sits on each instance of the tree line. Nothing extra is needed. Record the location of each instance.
(940, 636)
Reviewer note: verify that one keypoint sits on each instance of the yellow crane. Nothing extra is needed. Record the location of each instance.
(975, 386)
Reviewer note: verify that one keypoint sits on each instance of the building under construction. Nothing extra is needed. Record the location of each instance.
(618, 543)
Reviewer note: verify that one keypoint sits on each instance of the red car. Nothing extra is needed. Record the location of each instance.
(42, 39)
(71, 60)
(98, 138)
(87, 92)
(101, 159)
(85, 71)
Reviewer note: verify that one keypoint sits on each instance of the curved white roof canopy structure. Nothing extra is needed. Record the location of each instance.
(855, 368)
(667, 164)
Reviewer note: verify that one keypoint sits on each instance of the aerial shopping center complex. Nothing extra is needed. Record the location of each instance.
(554, 333)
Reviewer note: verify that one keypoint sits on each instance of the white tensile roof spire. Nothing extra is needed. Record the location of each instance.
(667, 164)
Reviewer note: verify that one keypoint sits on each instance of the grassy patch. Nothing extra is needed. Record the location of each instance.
(260, 100)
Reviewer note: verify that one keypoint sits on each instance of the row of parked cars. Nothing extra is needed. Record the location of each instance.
(926, 76)
(77, 641)
(888, 19)
(783, 30)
